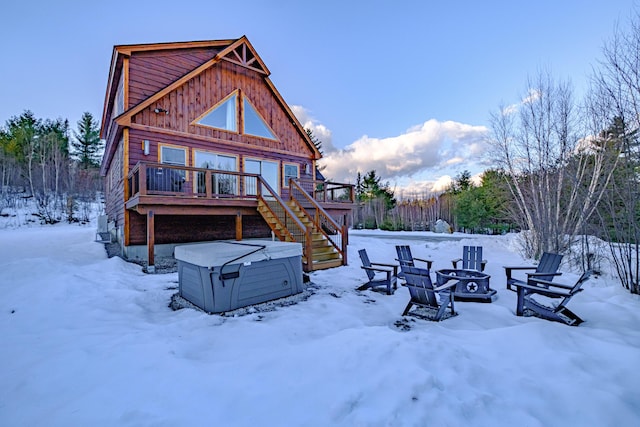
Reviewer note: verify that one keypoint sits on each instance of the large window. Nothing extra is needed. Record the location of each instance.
(224, 115)
(267, 169)
(168, 179)
(254, 123)
(221, 183)
(173, 155)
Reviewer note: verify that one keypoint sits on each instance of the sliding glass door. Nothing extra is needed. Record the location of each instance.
(267, 169)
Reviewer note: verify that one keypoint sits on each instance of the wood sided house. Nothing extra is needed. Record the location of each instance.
(200, 146)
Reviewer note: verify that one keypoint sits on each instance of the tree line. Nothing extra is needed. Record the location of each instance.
(569, 169)
(48, 162)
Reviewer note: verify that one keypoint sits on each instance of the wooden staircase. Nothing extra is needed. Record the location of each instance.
(323, 253)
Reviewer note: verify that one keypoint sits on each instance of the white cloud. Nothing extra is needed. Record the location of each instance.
(319, 130)
(420, 161)
(424, 149)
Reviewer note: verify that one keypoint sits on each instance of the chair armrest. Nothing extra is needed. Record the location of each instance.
(427, 261)
(382, 270)
(543, 274)
(393, 266)
(508, 269)
(541, 290)
(447, 285)
(549, 283)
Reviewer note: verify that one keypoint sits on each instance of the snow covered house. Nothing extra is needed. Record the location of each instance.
(200, 146)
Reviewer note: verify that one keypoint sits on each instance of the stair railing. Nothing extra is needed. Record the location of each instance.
(290, 224)
(324, 223)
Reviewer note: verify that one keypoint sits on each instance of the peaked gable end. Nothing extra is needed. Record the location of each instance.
(227, 105)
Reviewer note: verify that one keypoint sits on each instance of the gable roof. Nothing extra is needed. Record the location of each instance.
(238, 51)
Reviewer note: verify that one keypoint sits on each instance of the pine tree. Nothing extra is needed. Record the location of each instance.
(314, 139)
(87, 144)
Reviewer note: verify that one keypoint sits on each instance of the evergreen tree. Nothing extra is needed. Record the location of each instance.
(87, 144)
(373, 189)
(316, 141)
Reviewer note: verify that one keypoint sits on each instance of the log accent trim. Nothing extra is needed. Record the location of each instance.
(129, 49)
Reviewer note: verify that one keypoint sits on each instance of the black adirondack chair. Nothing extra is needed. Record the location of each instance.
(406, 259)
(471, 259)
(423, 294)
(389, 271)
(546, 269)
(555, 307)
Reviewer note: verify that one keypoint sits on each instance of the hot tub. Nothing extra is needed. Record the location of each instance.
(225, 275)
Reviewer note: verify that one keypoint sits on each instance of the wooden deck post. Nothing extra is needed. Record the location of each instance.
(308, 249)
(239, 225)
(345, 242)
(151, 241)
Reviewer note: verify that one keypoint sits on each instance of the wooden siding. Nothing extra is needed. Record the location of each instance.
(136, 136)
(114, 186)
(152, 71)
(197, 228)
(203, 91)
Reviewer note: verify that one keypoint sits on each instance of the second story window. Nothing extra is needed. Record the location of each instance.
(225, 115)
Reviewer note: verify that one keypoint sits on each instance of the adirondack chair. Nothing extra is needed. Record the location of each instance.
(406, 259)
(554, 308)
(471, 259)
(424, 294)
(390, 272)
(546, 269)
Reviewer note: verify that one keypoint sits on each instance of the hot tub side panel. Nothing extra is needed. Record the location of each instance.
(255, 283)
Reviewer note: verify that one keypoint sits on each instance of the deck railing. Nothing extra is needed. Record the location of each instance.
(328, 191)
(183, 181)
(290, 227)
(170, 180)
(324, 223)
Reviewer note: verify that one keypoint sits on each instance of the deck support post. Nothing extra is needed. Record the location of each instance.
(239, 225)
(151, 241)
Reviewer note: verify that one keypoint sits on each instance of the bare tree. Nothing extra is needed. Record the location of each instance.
(555, 176)
(615, 107)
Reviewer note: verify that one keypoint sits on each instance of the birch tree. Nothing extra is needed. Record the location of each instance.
(555, 175)
(616, 105)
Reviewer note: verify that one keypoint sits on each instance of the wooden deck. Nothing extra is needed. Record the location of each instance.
(304, 213)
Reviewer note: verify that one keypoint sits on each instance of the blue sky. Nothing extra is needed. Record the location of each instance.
(403, 87)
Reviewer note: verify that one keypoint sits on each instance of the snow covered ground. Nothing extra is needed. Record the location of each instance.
(91, 341)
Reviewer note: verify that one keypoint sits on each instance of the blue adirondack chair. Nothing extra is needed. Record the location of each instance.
(471, 259)
(555, 308)
(423, 294)
(546, 269)
(389, 275)
(405, 258)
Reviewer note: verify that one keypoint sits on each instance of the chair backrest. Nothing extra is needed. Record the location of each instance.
(549, 263)
(404, 255)
(366, 263)
(472, 258)
(420, 285)
(575, 289)
(585, 276)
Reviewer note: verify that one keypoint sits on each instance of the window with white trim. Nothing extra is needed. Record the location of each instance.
(290, 171)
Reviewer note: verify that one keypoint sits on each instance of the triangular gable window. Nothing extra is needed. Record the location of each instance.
(253, 122)
(223, 115)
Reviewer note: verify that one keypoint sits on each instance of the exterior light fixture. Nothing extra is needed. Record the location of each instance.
(160, 110)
